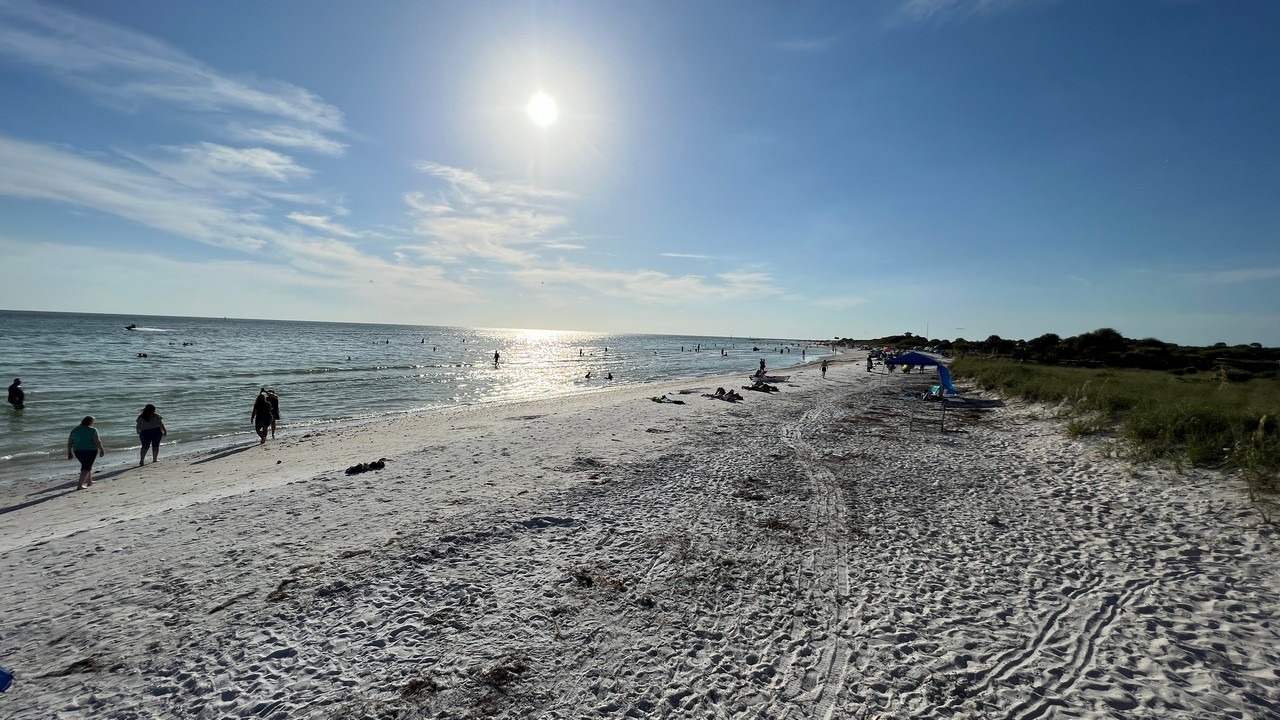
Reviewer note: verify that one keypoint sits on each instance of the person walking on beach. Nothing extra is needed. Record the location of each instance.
(17, 398)
(824, 369)
(274, 402)
(150, 427)
(84, 444)
(261, 416)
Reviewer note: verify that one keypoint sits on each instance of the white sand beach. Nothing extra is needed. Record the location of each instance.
(802, 554)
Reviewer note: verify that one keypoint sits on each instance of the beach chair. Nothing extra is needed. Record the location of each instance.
(944, 381)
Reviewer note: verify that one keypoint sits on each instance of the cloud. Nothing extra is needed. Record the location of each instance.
(42, 172)
(506, 223)
(692, 256)
(126, 69)
(323, 223)
(473, 187)
(1231, 277)
(477, 218)
(218, 167)
(70, 278)
(290, 137)
(929, 10)
(186, 200)
(650, 286)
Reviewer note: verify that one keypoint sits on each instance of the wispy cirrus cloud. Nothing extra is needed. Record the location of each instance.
(289, 137)
(476, 218)
(323, 224)
(692, 256)
(128, 69)
(45, 172)
(219, 167)
(224, 210)
(473, 187)
(506, 224)
(938, 10)
(70, 277)
(650, 287)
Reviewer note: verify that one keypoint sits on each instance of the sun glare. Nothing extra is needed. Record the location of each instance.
(542, 110)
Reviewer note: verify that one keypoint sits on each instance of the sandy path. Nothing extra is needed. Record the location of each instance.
(798, 555)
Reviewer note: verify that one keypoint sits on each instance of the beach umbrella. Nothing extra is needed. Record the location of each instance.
(912, 358)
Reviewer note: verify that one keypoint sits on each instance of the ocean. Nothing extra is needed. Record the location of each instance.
(203, 374)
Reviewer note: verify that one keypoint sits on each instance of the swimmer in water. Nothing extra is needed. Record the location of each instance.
(17, 398)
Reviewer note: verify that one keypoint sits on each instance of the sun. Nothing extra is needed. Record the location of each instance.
(542, 110)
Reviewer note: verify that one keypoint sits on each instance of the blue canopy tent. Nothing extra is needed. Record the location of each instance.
(921, 360)
(912, 358)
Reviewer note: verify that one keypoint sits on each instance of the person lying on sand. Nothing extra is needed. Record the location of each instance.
(721, 394)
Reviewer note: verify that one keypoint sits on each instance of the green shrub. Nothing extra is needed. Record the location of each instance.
(1209, 420)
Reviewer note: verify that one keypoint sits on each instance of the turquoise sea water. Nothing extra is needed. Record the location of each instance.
(204, 373)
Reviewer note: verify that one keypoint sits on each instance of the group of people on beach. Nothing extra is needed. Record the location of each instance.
(85, 445)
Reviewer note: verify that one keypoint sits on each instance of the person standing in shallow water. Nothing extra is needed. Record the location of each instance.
(274, 401)
(84, 444)
(17, 398)
(261, 417)
(151, 429)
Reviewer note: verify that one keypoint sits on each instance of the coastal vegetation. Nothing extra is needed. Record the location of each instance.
(1205, 419)
(1104, 347)
(1217, 419)
(1215, 406)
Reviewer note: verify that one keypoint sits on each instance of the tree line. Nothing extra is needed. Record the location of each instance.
(1104, 347)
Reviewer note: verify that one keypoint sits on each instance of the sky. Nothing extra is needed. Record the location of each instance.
(949, 168)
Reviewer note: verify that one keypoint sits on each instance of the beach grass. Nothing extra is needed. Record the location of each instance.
(1202, 419)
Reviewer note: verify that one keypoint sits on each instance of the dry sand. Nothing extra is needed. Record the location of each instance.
(796, 555)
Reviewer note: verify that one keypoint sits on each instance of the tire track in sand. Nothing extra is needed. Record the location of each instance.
(823, 682)
(1081, 643)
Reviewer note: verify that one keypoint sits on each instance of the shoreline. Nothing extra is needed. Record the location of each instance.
(797, 554)
(20, 471)
(130, 490)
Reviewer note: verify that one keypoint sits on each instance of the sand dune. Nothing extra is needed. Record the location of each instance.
(795, 555)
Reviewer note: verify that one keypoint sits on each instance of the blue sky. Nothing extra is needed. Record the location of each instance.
(852, 169)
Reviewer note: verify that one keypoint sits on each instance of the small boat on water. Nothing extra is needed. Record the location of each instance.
(131, 326)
